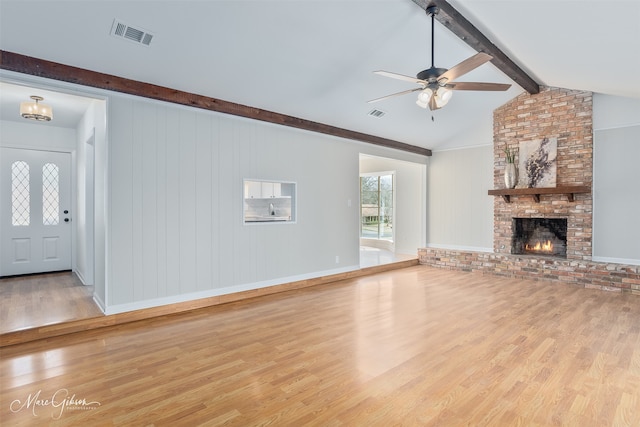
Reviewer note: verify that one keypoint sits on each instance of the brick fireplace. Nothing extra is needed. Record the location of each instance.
(567, 116)
(553, 113)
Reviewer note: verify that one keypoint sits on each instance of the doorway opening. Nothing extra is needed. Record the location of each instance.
(77, 132)
(392, 209)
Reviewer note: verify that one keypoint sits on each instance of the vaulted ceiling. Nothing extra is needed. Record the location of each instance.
(314, 59)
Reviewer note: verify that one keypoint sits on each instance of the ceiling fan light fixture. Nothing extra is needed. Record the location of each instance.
(424, 97)
(34, 111)
(437, 83)
(443, 95)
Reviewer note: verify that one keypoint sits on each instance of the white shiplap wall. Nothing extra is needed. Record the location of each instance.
(176, 230)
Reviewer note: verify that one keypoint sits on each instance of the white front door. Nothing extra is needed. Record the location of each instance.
(35, 211)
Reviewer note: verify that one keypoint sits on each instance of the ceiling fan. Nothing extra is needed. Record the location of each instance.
(436, 84)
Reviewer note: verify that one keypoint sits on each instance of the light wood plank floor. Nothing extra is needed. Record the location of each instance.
(44, 299)
(414, 347)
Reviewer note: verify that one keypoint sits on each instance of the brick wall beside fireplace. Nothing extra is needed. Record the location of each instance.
(553, 113)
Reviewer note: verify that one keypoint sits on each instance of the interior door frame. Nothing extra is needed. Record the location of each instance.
(95, 129)
(90, 215)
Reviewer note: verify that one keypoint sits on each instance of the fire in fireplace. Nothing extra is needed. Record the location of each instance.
(539, 236)
(545, 247)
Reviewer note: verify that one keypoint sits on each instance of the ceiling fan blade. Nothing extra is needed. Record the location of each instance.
(400, 77)
(465, 66)
(478, 86)
(395, 94)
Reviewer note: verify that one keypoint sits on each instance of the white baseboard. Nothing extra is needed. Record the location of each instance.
(80, 276)
(174, 299)
(100, 303)
(616, 260)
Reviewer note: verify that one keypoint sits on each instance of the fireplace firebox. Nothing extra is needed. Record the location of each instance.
(539, 236)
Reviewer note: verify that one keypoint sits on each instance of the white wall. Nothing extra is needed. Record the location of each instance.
(81, 221)
(616, 175)
(410, 194)
(460, 213)
(37, 136)
(175, 229)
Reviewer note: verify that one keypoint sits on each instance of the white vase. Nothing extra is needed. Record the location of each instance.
(510, 175)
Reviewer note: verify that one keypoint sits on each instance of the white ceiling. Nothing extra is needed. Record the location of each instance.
(314, 59)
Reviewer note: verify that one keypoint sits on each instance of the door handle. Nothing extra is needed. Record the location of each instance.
(66, 211)
(66, 220)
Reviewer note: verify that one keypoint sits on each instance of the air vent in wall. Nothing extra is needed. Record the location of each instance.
(137, 35)
(376, 113)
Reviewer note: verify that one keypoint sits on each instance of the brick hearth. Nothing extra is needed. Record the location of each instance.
(589, 274)
(567, 116)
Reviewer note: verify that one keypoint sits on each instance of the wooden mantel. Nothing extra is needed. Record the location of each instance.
(506, 193)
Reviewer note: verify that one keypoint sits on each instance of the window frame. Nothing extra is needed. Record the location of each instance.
(249, 215)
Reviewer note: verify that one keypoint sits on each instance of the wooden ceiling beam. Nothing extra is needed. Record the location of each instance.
(51, 70)
(467, 32)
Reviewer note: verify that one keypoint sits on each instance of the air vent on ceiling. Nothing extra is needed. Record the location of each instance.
(137, 35)
(377, 113)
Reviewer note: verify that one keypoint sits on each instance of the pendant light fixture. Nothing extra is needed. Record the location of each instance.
(34, 111)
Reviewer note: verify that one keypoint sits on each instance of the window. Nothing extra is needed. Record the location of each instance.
(269, 202)
(50, 194)
(20, 196)
(376, 206)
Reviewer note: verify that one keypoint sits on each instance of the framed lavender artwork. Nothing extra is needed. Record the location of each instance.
(537, 165)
